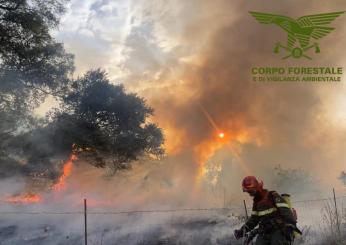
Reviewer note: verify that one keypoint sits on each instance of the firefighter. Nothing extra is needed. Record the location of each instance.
(271, 213)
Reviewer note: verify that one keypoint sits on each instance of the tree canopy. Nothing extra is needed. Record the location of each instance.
(105, 126)
(32, 63)
(103, 123)
(114, 123)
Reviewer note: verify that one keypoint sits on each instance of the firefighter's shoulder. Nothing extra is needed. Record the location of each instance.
(276, 197)
(274, 194)
(279, 200)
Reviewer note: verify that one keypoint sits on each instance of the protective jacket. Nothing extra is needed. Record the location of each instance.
(271, 212)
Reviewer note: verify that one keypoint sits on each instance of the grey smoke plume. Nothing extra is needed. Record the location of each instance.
(286, 123)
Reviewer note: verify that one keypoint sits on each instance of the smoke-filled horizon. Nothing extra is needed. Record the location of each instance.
(192, 61)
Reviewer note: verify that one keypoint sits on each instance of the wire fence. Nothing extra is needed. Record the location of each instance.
(300, 204)
(311, 213)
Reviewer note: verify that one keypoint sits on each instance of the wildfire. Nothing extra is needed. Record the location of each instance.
(30, 198)
(206, 149)
(67, 170)
(203, 152)
(236, 133)
(25, 199)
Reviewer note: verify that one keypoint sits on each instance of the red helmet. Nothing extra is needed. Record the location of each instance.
(250, 183)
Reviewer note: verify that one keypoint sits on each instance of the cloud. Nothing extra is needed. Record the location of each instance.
(95, 30)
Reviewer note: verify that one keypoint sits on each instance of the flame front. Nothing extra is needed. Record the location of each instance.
(30, 198)
(24, 199)
(67, 170)
(207, 149)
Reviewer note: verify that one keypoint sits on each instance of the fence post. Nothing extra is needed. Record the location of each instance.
(247, 216)
(336, 212)
(85, 223)
(224, 197)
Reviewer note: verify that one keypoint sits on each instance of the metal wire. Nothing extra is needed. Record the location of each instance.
(121, 212)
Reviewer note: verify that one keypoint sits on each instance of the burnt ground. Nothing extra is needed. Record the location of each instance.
(138, 229)
(179, 230)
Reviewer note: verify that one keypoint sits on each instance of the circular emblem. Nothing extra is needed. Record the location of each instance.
(297, 52)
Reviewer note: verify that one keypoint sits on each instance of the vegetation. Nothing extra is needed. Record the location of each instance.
(104, 124)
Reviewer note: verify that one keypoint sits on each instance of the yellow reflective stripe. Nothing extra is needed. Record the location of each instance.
(282, 205)
(267, 211)
(254, 213)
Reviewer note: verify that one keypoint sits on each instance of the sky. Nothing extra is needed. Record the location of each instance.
(191, 60)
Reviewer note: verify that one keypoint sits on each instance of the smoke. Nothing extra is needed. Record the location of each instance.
(192, 61)
(203, 85)
(59, 219)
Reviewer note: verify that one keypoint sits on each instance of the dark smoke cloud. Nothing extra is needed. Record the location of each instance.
(281, 116)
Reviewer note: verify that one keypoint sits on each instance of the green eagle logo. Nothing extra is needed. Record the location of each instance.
(301, 30)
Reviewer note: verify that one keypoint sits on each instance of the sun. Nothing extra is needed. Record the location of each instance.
(221, 135)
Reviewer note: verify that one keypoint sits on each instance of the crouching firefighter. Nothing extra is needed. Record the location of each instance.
(271, 212)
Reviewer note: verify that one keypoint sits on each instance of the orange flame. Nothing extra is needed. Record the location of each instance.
(31, 198)
(24, 199)
(208, 147)
(67, 170)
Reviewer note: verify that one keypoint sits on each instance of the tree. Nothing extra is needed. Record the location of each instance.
(32, 63)
(105, 125)
(297, 182)
(32, 66)
(342, 177)
(99, 120)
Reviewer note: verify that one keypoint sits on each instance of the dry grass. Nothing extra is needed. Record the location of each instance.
(332, 233)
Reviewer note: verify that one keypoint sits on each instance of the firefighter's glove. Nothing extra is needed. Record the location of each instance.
(239, 233)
